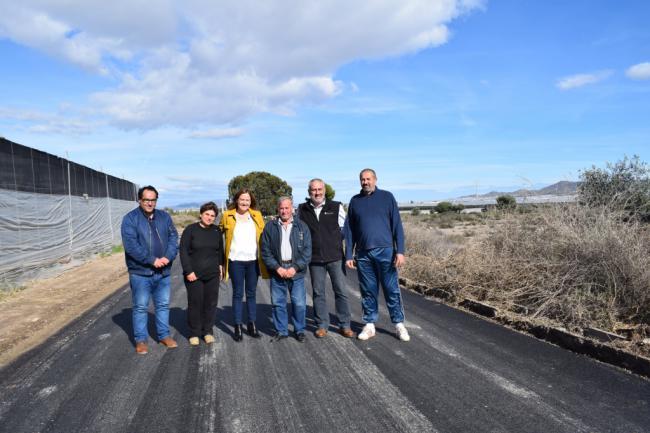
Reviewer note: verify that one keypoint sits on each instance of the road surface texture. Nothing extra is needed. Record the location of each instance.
(459, 373)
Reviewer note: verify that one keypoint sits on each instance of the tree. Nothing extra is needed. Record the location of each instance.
(444, 206)
(447, 206)
(266, 188)
(329, 192)
(622, 186)
(506, 202)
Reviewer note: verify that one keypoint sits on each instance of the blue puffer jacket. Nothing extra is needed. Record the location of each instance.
(137, 241)
(300, 239)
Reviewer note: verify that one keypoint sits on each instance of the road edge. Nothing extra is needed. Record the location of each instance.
(584, 345)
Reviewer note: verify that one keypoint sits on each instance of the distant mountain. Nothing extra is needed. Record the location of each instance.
(189, 205)
(563, 187)
(196, 205)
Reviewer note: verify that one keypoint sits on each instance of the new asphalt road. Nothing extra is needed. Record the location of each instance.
(459, 373)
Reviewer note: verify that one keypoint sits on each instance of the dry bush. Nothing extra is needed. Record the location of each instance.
(576, 265)
(428, 249)
(448, 220)
(427, 241)
(184, 219)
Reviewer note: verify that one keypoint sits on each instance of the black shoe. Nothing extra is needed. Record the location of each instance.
(252, 330)
(301, 337)
(238, 333)
(278, 337)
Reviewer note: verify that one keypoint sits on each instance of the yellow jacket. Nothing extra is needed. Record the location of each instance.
(227, 226)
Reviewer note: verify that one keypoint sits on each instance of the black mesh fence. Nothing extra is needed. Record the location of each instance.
(26, 169)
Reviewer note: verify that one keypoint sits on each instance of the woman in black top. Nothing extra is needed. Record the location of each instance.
(201, 254)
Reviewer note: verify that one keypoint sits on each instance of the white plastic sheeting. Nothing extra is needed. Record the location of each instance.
(39, 230)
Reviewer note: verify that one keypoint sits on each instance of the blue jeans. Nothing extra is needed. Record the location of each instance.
(318, 273)
(376, 266)
(243, 275)
(143, 288)
(296, 288)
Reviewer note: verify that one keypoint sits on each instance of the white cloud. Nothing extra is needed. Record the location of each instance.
(579, 80)
(218, 133)
(194, 183)
(198, 62)
(640, 71)
(50, 123)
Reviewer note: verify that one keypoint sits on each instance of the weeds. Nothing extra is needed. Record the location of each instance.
(184, 219)
(8, 289)
(114, 250)
(446, 220)
(575, 265)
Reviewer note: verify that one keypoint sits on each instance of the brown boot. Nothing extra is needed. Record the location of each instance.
(141, 348)
(169, 342)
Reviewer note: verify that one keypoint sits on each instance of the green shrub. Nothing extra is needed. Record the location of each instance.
(506, 202)
(447, 206)
(622, 186)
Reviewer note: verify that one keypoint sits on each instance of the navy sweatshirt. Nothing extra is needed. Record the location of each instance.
(373, 221)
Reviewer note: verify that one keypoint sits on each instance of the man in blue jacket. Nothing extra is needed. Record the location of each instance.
(286, 252)
(150, 245)
(374, 234)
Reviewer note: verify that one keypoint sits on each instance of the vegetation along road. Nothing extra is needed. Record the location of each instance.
(458, 373)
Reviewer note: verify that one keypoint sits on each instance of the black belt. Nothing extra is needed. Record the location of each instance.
(286, 262)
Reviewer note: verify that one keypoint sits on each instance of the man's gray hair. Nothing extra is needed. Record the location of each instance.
(368, 169)
(283, 198)
(316, 179)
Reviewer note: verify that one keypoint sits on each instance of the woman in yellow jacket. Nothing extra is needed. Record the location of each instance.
(242, 226)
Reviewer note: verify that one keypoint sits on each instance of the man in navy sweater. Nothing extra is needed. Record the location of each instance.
(374, 240)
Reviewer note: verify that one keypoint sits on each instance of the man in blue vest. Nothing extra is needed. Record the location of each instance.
(325, 220)
(375, 237)
(150, 245)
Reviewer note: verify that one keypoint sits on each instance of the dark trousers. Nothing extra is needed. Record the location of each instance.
(202, 299)
(318, 273)
(244, 279)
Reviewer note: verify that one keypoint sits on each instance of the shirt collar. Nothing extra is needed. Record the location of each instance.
(148, 217)
(281, 223)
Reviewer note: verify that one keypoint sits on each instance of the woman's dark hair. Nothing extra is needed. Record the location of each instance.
(145, 188)
(233, 204)
(209, 206)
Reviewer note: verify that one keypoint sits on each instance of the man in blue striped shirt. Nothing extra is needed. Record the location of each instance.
(374, 240)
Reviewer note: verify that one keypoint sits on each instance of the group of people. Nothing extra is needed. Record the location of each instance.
(242, 247)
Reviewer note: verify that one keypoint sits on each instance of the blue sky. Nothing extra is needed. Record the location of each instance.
(441, 98)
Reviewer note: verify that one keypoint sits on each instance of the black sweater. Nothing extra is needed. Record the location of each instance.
(201, 251)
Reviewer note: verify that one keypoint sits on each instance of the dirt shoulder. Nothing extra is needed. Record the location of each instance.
(30, 316)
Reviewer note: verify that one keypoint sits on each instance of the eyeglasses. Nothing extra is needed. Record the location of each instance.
(149, 200)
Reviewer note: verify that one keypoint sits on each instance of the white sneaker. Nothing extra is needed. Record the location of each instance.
(194, 341)
(367, 332)
(402, 333)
